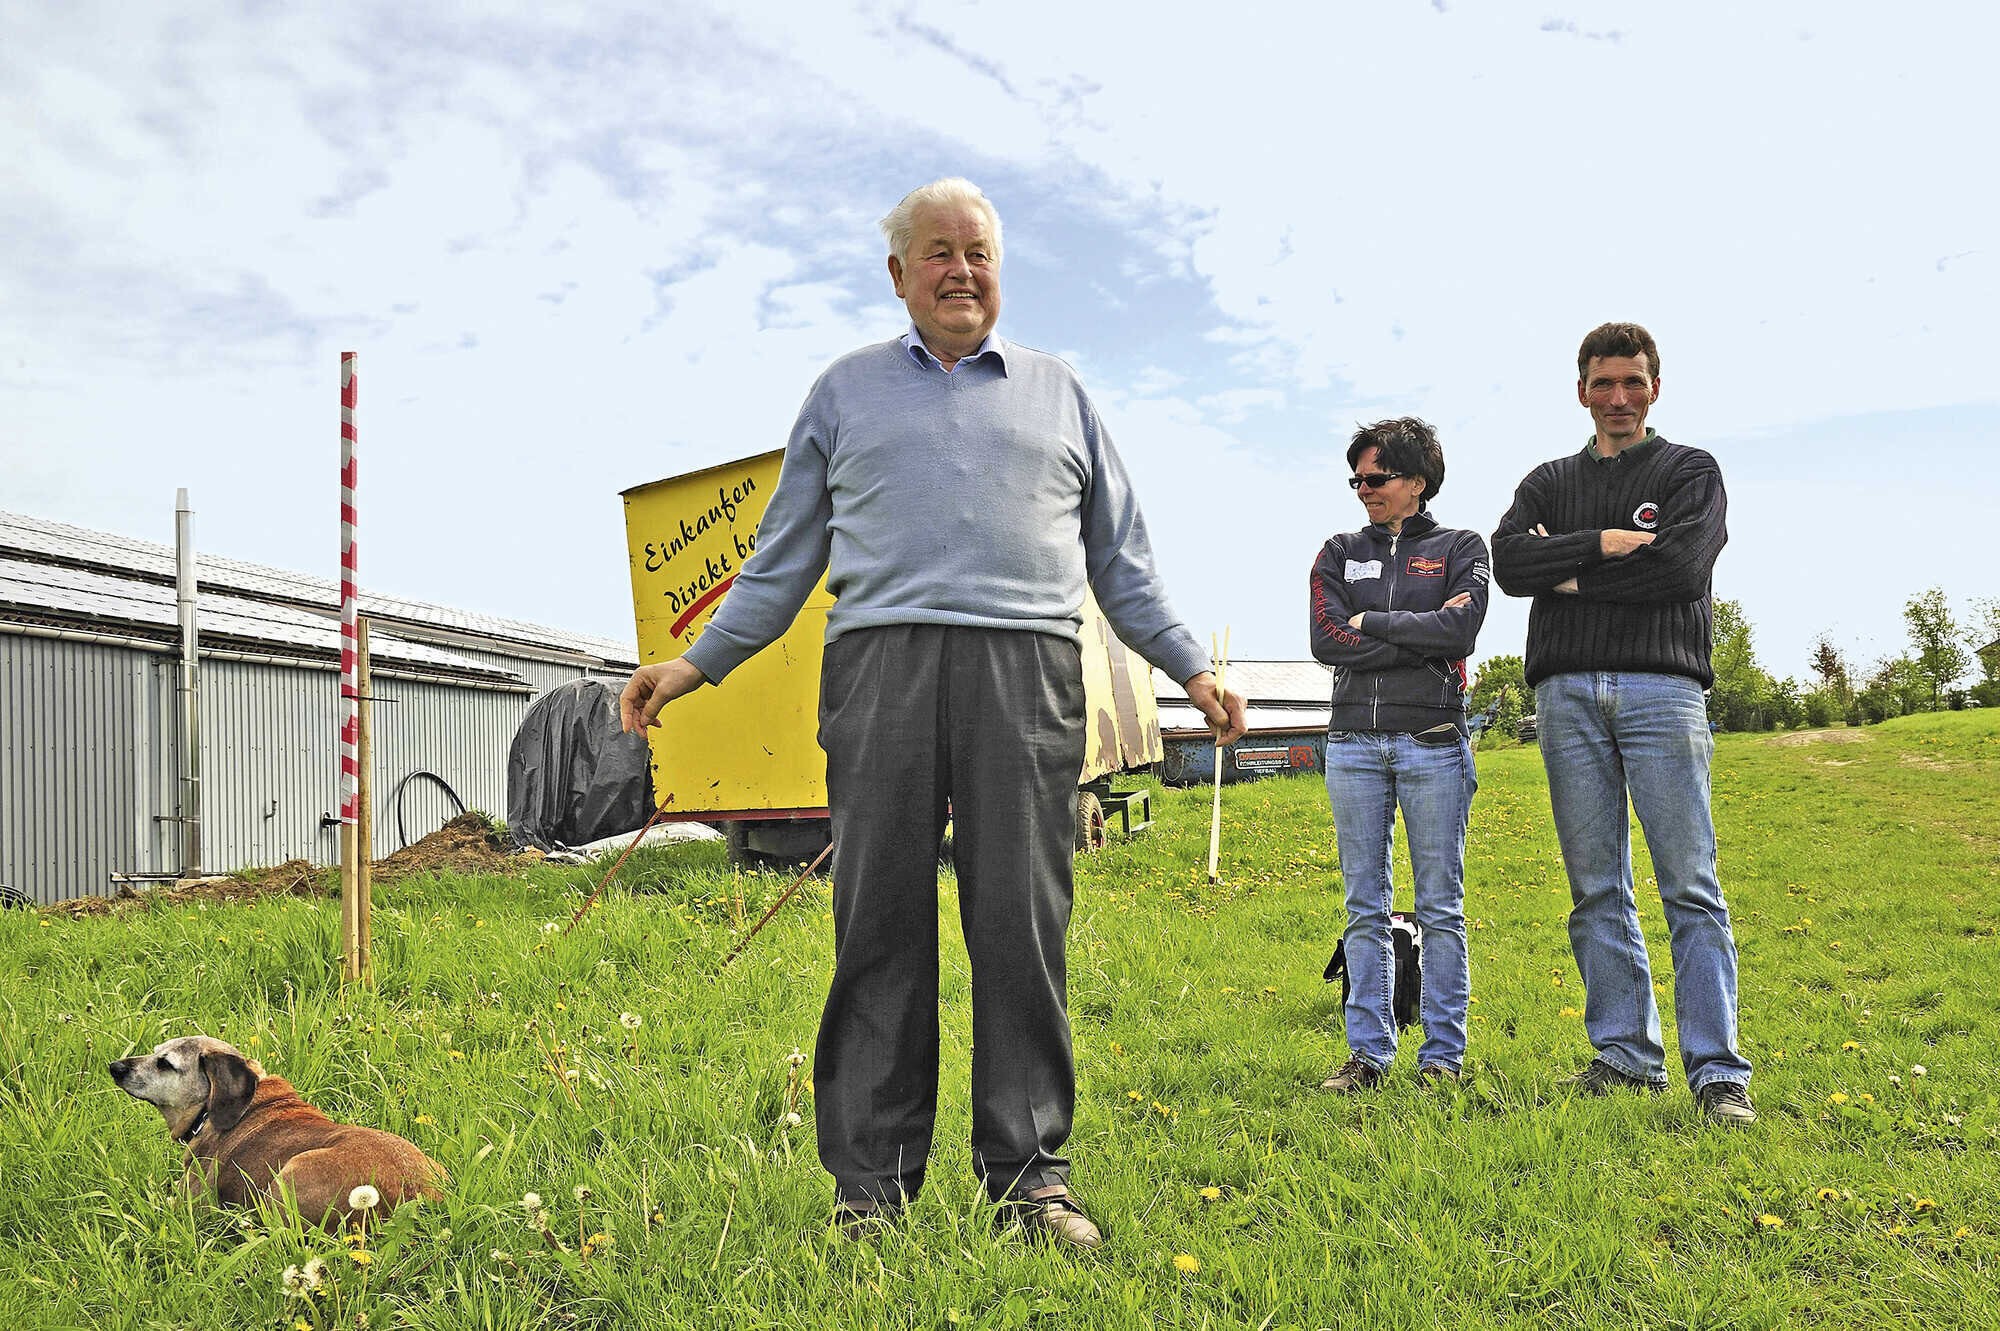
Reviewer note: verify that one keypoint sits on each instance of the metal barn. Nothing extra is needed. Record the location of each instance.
(1288, 703)
(97, 785)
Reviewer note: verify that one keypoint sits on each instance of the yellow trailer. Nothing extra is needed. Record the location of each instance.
(747, 754)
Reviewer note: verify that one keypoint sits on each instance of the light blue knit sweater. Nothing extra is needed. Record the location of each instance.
(985, 497)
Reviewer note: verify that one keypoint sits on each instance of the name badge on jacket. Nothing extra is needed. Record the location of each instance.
(1358, 569)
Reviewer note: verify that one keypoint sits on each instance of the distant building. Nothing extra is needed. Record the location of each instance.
(91, 773)
(1288, 704)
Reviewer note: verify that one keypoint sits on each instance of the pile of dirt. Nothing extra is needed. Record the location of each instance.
(293, 878)
(466, 844)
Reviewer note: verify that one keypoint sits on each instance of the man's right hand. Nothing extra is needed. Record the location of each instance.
(1616, 541)
(651, 688)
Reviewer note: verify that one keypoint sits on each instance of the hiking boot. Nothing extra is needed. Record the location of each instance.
(1052, 1214)
(1437, 1074)
(1354, 1075)
(1727, 1102)
(1600, 1078)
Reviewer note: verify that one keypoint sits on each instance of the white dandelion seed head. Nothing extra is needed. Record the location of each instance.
(1916, 1069)
(313, 1274)
(552, 926)
(793, 1120)
(295, 1283)
(531, 1201)
(363, 1198)
(631, 1021)
(581, 1193)
(795, 1058)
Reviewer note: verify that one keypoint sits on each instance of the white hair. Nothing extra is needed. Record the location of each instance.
(901, 221)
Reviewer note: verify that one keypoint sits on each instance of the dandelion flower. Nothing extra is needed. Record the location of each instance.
(425, 1118)
(1211, 1194)
(1837, 1098)
(363, 1198)
(1770, 1222)
(458, 1055)
(1924, 1204)
(1133, 1095)
(362, 1257)
(531, 1201)
(1572, 1012)
(1827, 1194)
(1961, 1231)
(631, 1021)
(1849, 1046)
(1187, 1263)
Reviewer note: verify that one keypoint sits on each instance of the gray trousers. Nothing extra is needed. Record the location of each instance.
(915, 717)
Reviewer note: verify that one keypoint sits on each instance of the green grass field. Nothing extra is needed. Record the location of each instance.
(1863, 871)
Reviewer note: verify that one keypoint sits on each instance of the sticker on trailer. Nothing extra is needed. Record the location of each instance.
(1263, 760)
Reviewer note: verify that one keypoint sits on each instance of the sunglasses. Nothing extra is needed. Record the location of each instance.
(1374, 480)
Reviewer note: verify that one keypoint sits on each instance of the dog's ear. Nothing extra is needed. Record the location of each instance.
(231, 1083)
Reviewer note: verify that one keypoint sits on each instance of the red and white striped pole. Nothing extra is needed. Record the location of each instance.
(350, 722)
(353, 889)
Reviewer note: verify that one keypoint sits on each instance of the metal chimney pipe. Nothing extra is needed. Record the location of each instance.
(189, 688)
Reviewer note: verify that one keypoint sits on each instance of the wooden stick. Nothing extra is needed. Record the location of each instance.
(737, 951)
(1215, 817)
(350, 949)
(364, 811)
(592, 898)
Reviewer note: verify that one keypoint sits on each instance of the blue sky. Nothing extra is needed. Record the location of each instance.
(588, 247)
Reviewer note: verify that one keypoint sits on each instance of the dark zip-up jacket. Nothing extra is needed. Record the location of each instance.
(1404, 668)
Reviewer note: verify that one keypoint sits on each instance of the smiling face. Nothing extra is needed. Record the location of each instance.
(1391, 502)
(1618, 391)
(950, 279)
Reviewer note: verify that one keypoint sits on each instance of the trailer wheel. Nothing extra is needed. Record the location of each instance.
(1090, 828)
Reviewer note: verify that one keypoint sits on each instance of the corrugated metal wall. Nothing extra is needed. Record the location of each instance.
(270, 759)
(87, 762)
(81, 746)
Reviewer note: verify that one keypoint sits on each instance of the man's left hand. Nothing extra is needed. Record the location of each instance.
(1223, 708)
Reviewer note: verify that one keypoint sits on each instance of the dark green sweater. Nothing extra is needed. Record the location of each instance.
(1646, 611)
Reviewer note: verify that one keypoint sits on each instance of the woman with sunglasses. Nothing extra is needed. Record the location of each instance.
(1395, 609)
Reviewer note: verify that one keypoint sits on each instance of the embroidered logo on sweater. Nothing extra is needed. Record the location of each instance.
(1646, 516)
(1420, 567)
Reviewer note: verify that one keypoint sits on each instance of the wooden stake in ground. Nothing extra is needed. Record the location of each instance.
(364, 800)
(1215, 818)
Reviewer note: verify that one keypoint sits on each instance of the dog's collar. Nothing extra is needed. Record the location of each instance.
(199, 1121)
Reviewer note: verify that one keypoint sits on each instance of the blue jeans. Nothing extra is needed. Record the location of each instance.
(1603, 734)
(1368, 773)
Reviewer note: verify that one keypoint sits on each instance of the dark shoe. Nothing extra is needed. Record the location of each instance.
(1437, 1074)
(863, 1221)
(1600, 1078)
(1353, 1075)
(1053, 1215)
(1727, 1102)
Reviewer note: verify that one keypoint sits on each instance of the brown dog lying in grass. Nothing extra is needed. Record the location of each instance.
(249, 1135)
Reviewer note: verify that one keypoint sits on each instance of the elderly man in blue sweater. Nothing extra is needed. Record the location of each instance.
(959, 492)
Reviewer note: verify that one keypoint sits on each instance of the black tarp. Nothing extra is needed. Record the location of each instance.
(573, 776)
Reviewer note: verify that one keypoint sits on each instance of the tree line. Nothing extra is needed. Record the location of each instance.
(1951, 663)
